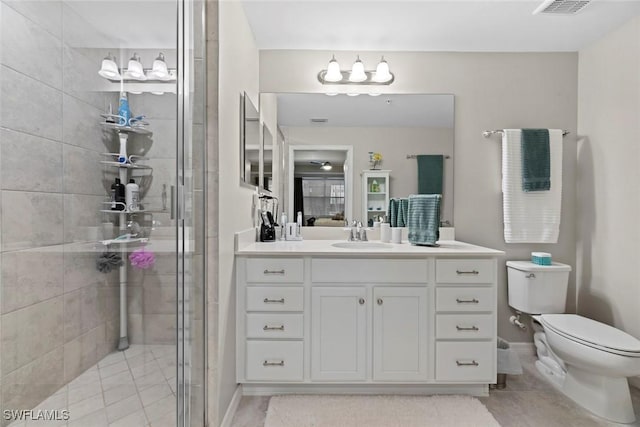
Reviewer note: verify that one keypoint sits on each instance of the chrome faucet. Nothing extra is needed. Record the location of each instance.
(357, 232)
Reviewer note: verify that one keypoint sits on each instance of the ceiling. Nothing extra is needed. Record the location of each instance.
(364, 110)
(428, 25)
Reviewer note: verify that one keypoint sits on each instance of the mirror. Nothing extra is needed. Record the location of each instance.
(399, 127)
(267, 159)
(249, 142)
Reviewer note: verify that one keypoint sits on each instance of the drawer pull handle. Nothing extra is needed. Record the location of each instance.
(467, 301)
(474, 272)
(472, 363)
(274, 271)
(278, 363)
(530, 276)
(273, 328)
(462, 328)
(274, 301)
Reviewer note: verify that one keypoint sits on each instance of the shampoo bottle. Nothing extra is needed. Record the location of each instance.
(119, 201)
(123, 110)
(132, 196)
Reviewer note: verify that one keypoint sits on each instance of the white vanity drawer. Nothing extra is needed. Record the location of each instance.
(464, 299)
(274, 360)
(465, 361)
(275, 270)
(275, 298)
(261, 325)
(464, 271)
(368, 270)
(464, 326)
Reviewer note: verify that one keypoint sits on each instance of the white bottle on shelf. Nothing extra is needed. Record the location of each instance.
(132, 196)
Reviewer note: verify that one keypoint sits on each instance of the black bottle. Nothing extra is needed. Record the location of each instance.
(117, 196)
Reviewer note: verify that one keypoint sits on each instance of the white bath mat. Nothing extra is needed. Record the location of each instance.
(378, 411)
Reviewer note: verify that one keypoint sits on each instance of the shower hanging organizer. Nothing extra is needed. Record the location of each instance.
(124, 124)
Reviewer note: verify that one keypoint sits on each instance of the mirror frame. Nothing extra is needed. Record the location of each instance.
(243, 123)
(349, 180)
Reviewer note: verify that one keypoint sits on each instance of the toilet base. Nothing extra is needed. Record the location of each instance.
(606, 397)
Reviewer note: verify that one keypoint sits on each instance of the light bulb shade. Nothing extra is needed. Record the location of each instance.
(326, 166)
(134, 69)
(159, 70)
(333, 73)
(357, 72)
(382, 72)
(109, 69)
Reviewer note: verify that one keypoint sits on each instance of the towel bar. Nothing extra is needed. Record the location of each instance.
(489, 133)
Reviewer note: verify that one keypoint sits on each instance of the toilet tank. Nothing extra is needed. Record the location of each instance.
(538, 289)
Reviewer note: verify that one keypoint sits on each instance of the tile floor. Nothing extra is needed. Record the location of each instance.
(131, 388)
(527, 401)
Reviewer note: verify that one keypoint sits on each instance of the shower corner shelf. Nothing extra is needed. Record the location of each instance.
(126, 129)
(132, 164)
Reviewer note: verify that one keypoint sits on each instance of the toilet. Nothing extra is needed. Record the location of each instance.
(587, 360)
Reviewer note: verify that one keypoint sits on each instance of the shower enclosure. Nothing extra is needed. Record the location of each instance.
(102, 287)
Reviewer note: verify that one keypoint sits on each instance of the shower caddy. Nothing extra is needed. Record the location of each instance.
(131, 163)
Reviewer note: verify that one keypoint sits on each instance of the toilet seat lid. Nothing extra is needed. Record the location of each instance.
(592, 332)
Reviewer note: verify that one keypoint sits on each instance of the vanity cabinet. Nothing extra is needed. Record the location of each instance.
(401, 321)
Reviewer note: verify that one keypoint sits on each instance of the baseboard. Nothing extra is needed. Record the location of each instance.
(395, 389)
(233, 407)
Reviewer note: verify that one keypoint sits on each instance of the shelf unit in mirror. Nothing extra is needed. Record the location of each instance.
(375, 194)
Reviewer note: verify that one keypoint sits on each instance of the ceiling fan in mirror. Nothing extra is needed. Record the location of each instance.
(323, 165)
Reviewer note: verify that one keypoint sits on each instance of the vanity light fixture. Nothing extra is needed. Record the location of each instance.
(326, 166)
(357, 76)
(109, 68)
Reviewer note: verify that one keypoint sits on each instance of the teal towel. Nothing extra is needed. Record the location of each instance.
(398, 212)
(392, 212)
(424, 219)
(403, 212)
(430, 169)
(536, 158)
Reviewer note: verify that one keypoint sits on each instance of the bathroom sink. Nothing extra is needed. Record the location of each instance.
(361, 245)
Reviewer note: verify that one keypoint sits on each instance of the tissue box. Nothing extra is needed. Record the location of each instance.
(541, 258)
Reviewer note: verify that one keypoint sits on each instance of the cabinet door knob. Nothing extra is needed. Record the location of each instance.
(380, 301)
(361, 301)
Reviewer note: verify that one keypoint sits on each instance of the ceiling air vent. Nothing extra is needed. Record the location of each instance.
(319, 120)
(561, 7)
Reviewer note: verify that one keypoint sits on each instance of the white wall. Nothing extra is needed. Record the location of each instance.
(493, 91)
(394, 144)
(608, 277)
(238, 74)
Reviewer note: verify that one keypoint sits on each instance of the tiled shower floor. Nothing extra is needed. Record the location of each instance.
(131, 388)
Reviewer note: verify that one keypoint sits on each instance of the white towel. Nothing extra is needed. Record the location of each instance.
(534, 216)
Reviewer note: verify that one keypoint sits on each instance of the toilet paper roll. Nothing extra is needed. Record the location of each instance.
(396, 235)
(385, 232)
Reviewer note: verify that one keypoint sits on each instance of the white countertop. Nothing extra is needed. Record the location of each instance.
(324, 247)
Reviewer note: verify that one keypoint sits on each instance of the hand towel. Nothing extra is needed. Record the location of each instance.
(392, 212)
(424, 219)
(530, 217)
(535, 160)
(398, 212)
(430, 168)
